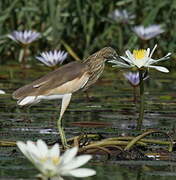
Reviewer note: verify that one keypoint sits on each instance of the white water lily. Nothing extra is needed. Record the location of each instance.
(25, 37)
(149, 32)
(51, 164)
(141, 59)
(52, 58)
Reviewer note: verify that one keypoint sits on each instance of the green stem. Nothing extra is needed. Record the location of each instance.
(134, 94)
(24, 56)
(141, 107)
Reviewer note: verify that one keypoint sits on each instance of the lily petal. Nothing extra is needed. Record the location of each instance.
(2, 92)
(69, 155)
(167, 56)
(82, 172)
(33, 149)
(129, 55)
(22, 146)
(126, 59)
(120, 64)
(160, 68)
(55, 151)
(77, 162)
(42, 147)
(153, 50)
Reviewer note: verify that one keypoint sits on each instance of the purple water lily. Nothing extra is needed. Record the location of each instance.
(24, 37)
(133, 78)
(52, 58)
(149, 32)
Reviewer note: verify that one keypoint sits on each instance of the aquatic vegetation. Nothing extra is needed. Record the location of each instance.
(148, 32)
(122, 16)
(81, 28)
(52, 58)
(25, 37)
(96, 31)
(123, 143)
(53, 165)
(142, 60)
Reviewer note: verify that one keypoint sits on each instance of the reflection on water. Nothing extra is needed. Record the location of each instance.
(110, 111)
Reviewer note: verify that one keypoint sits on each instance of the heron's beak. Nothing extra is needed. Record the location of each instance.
(115, 57)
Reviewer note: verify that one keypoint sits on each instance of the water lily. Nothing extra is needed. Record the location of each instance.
(52, 58)
(133, 78)
(53, 165)
(2, 92)
(122, 15)
(141, 59)
(24, 37)
(149, 32)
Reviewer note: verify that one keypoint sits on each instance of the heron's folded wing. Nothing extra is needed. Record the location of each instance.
(52, 80)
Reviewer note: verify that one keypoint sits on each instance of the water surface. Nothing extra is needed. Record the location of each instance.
(111, 111)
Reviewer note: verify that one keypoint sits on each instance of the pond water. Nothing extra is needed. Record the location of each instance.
(109, 112)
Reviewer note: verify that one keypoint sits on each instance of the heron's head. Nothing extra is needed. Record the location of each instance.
(108, 53)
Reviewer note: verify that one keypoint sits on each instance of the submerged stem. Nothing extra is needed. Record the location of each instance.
(134, 94)
(23, 55)
(141, 107)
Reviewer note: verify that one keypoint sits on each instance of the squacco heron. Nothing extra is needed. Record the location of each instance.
(62, 82)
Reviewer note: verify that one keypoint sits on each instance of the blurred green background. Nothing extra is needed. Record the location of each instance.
(84, 25)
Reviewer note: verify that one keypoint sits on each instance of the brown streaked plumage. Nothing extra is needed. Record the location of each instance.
(52, 80)
(65, 80)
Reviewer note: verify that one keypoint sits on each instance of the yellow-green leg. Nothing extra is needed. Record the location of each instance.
(62, 133)
(65, 102)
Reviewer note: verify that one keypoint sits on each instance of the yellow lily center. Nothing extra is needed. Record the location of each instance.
(43, 160)
(56, 160)
(139, 54)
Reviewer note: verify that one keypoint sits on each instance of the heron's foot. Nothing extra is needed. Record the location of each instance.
(63, 138)
(64, 143)
(66, 146)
